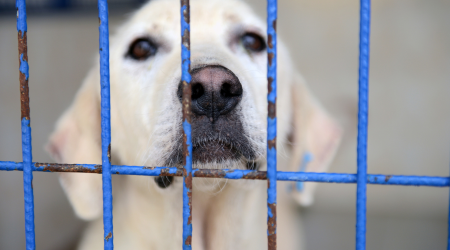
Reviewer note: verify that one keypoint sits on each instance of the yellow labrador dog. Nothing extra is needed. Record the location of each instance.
(229, 110)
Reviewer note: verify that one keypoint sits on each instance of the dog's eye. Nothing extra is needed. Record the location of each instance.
(142, 49)
(253, 42)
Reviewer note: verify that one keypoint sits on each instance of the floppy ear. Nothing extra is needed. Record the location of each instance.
(77, 140)
(315, 138)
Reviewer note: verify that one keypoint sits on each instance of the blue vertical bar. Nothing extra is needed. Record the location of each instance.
(448, 230)
(187, 142)
(363, 105)
(26, 128)
(106, 125)
(272, 124)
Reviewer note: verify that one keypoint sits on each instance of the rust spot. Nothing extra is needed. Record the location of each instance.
(272, 143)
(274, 24)
(272, 110)
(24, 90)
(205, 173)
(188, 183)
(99, 21)
(189, 222)
(187, 93)
(186, 15)
(269, 85)
(376, 178)
(269, 41)
(270, 56)
(186, 39)
(23, 49)
(109, 153)
(256, 175)
(386, 179)
(53, 167)
(188, 180)
(109, 236)
(272, 227)
(188, 241)
(210, 173)
(220, 173)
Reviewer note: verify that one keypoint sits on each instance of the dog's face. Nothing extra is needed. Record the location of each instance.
(229, 100)
(229, 84)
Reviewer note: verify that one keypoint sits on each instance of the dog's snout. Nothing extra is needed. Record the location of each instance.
(215, 91)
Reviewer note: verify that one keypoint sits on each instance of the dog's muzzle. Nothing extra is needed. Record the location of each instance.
(217, 131)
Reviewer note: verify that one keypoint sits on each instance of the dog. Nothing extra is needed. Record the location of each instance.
(229, 120)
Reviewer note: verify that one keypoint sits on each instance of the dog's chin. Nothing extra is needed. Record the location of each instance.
(214, 152)
(217, 154)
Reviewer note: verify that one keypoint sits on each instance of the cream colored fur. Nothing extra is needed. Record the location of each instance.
(145, 118)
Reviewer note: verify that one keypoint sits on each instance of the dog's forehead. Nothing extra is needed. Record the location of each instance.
(164, 15)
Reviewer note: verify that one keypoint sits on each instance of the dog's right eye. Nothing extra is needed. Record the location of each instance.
(142, 49)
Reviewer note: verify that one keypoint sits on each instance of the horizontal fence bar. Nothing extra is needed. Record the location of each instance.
(404, 180)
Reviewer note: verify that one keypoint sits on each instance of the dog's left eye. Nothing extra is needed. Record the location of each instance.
(142, 49)
(253, 42)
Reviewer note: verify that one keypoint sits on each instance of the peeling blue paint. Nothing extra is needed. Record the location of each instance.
(271, 128)
(23, 68)
(271, 161)
(172, 170)
(187, 227)
(307, 158)
(21, 16)
(187, 130)
(273, 94)
(234, 175)
(28, 185)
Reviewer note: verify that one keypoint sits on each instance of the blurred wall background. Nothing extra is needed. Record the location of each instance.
(409, 127)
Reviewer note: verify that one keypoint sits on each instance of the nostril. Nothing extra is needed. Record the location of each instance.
(228, 91)
(197, 91)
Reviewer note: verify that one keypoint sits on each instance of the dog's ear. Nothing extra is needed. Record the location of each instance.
(315, 137)
(76, 139)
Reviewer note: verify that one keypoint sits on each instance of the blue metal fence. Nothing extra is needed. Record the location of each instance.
(272, 175)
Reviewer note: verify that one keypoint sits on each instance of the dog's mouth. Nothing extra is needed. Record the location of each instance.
(219, 150)
(215, 152)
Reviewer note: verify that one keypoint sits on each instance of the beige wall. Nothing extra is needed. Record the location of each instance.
(409, 129)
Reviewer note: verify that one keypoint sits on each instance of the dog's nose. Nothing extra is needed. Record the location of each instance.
(215, 91)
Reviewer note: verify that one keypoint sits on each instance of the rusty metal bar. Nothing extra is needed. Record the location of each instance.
(187, 140)
(235, 174)
(108, 236)
(272, 124)
(26, 127)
